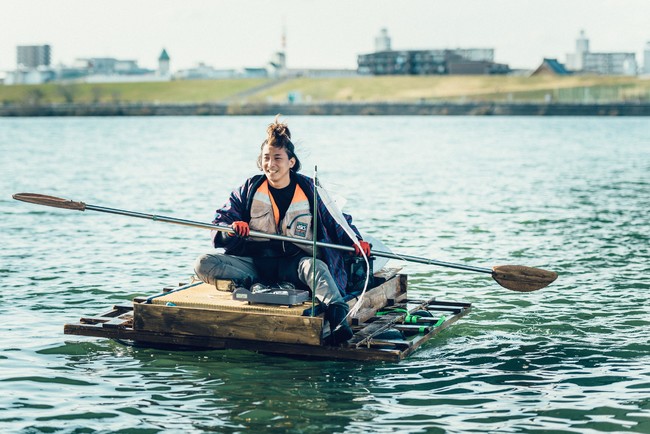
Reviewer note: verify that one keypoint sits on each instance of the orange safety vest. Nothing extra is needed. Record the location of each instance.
(297, 221)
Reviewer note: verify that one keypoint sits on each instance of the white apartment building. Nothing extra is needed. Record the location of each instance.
(583, 60)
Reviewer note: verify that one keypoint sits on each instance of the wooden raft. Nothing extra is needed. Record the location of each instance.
(198, 316)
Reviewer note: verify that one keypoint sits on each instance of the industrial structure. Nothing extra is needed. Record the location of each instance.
(386, 61)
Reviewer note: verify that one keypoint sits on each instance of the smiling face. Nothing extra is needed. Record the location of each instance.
(277, 165)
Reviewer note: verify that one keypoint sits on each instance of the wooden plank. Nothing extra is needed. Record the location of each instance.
(210, 342)
(122, 308)
(242, 325)
(375, 299)
(145, 337)
(372, 352)
(118, 323)
(175, 326)
(204, 296)
(107, 321)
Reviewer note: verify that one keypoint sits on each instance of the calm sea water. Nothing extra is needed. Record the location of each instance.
(565, 194)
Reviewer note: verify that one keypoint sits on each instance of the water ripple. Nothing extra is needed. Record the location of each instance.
(569, 195)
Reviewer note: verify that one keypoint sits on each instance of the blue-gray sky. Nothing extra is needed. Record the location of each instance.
(329, 34)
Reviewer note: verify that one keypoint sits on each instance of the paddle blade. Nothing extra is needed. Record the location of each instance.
(56, 202)
(521, 278)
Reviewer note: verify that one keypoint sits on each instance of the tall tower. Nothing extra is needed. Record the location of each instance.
(576, 61)
(646, 59)
(382, 41)
(282, 55)
(278, 62)
(163, 63)
(284, 37)
(582, 48)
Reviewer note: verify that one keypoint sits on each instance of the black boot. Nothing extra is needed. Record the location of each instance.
(340, 330)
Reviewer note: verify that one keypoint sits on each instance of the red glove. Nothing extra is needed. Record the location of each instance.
(241, 228)
(364, 246)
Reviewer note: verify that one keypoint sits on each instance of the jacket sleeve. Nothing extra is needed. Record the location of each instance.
(231, 211)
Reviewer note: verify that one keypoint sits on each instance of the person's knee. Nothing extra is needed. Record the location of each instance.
(203, 265)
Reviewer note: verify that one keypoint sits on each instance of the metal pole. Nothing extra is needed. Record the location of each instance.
(256, 234)
(57, 202)
(314, 230)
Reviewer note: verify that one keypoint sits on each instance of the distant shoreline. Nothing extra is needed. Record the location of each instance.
(328, 109)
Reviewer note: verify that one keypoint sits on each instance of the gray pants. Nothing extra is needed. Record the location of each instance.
(210, 267)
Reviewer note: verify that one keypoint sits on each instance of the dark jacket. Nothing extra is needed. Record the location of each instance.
(238, 206)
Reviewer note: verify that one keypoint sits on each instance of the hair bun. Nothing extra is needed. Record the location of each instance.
(278, 129)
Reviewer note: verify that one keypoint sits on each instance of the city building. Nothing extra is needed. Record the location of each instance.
(430, 62)
(610, 63)
(207, 72)
(34, 68)
(112, 66)
(39, 75)
(386, 61)
(32, 56)
(584, 61)
(32, 65)
(204, 72)
(646, 59)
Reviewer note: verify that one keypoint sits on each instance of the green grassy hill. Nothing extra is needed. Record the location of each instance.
(460, 88)
(588, 89)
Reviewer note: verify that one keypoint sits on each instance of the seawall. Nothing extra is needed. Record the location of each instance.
(330, 109)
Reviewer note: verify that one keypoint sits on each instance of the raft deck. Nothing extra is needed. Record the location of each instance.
(389, 326)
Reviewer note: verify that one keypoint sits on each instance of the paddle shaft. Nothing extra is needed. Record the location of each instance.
(256, 234)
(514, 277)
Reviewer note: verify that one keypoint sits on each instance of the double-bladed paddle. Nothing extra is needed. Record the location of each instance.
(514, 277)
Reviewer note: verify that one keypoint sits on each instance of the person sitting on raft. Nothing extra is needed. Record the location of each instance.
(281, 202)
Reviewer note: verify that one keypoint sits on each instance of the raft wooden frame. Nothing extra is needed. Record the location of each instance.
(174, 326)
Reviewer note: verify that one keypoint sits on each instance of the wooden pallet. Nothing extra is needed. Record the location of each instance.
(385, 308)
